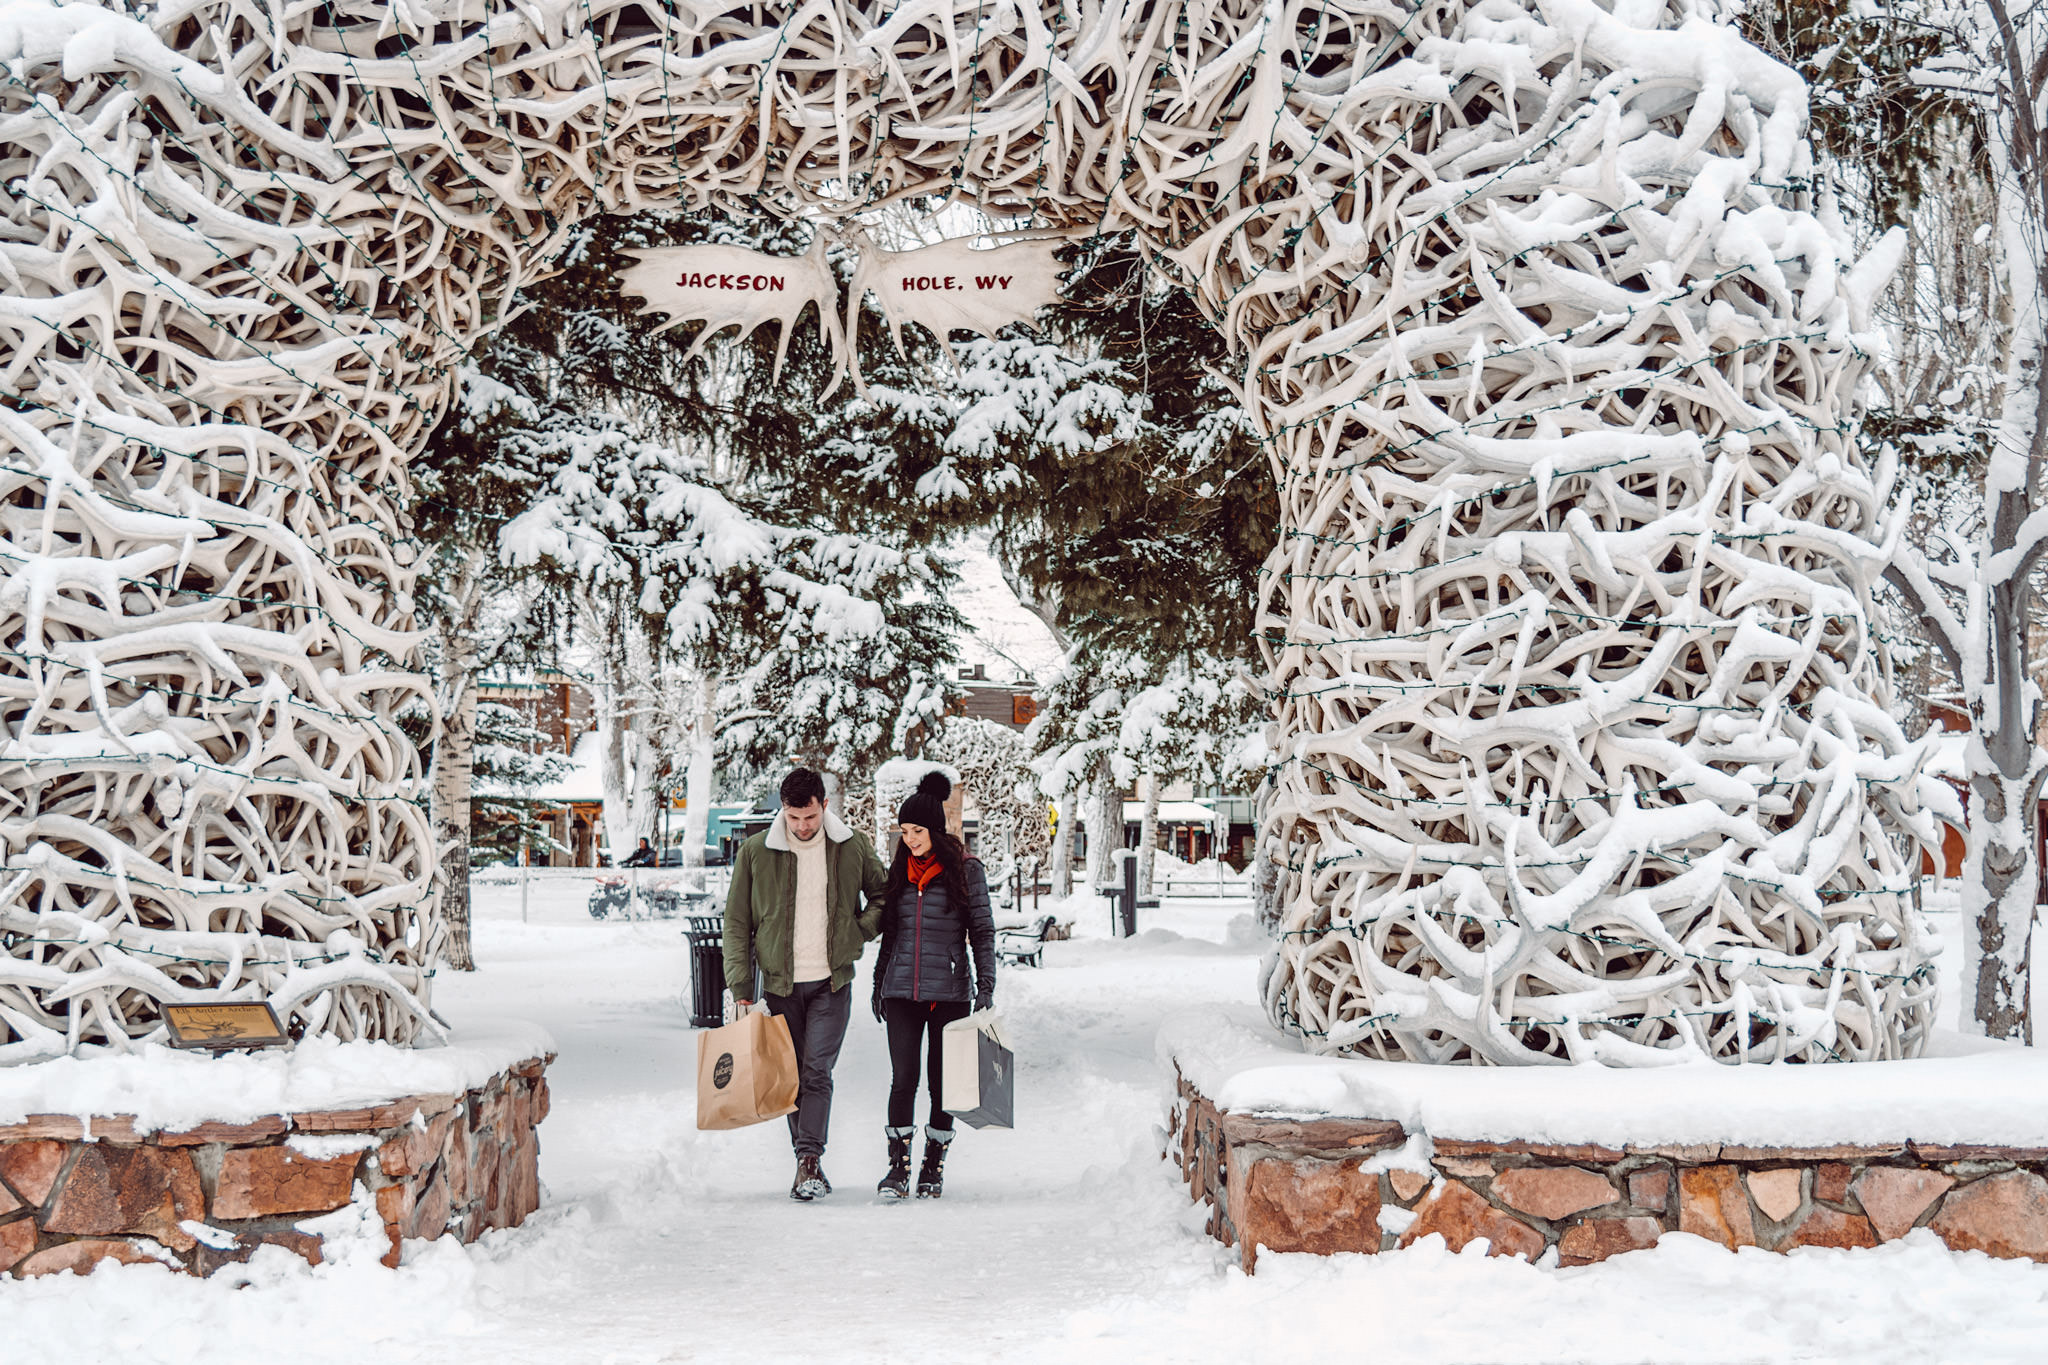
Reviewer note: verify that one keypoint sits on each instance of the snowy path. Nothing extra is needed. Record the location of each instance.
(672, 1229)
(1066, 1240)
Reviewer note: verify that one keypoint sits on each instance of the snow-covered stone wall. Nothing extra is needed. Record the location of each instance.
(326, 1183)
(1581, 743)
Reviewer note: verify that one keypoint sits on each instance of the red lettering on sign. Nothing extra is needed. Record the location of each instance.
(745, 283)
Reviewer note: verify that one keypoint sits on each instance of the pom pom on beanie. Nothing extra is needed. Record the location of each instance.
(927, 805)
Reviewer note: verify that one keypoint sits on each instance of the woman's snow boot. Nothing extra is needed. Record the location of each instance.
(896, 1184)
(931, 1177)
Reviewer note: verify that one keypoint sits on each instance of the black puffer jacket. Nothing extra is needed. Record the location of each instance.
(926, 940)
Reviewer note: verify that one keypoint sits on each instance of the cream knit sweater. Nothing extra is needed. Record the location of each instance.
(812, 960)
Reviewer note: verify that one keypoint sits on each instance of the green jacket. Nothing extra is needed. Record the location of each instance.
(760, 909)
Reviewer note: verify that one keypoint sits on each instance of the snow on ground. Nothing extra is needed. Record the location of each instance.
(1065, 1240)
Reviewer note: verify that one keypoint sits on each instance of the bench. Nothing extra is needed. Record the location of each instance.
(1024, 946)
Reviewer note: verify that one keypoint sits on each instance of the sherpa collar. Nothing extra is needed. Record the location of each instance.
(836, 829)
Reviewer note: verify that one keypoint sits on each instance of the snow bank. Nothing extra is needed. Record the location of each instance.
(171, 1090)
(1973, 1092)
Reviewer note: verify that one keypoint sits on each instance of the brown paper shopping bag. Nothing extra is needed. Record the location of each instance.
(746, 1072)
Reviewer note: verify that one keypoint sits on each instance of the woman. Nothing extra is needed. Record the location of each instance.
(935, 911)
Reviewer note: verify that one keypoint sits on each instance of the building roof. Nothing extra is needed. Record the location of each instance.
(583, 782)
(1172, 813)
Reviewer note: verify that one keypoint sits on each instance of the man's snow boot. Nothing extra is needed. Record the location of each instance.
(931, 1177)
(896, 1184)
(810, 1182)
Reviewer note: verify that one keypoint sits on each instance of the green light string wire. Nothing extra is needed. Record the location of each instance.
(1292, 1021)
(1734, 872)
(1496, 489)
(1601, 322)
(130, 949)
(1282, 641)
(141, 685)
(1222, 202)
(1633, 379)
(1361, 932)
(107, 762)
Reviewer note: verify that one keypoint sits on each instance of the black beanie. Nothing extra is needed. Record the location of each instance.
(927, 805)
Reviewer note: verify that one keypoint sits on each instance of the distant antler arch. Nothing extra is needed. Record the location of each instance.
(1579, 735)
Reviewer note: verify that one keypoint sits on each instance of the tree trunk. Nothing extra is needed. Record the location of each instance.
(697, 776)
(1105, 827)
(1062, 854)
(2000, 882)
(455, 763)
(1148, 835)
(614, 770)
(2001, 879)
(647, 785)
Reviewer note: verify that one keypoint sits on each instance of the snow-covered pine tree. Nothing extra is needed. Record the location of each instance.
(480, 615)
(1127, 504)
(849, 654)
(1108, 461)
(790, 626)
(1076, 740)
(510, 752)
(994, 763)
(1196, 723)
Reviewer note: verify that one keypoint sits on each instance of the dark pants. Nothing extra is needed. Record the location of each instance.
(817, 1017)
(918, 1025)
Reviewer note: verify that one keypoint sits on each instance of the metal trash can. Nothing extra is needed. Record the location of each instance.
(707, 970)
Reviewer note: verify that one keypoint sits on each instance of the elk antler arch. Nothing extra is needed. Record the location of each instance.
(1579, 739)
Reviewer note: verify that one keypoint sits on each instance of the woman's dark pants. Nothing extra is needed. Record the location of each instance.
(914, 1026)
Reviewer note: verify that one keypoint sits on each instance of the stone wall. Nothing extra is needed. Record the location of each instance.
(77, 1192)
(1302, 1185)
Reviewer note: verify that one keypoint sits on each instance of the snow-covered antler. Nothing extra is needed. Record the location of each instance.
(1568, 632)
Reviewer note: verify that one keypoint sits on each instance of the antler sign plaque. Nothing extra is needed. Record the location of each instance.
(948, 287)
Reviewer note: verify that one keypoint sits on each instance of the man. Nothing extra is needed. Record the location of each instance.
(806, 897)
(642, 856)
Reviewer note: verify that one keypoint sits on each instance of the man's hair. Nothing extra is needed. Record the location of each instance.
(802, 787)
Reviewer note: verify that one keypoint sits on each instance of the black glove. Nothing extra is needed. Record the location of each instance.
(983, 1002)
(878, 1006)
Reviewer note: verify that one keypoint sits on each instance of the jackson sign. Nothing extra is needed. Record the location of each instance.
(944, 288)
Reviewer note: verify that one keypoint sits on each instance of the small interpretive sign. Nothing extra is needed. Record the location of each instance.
(224, 1027)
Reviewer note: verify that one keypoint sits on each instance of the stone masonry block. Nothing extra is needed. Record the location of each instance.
(17, 1239)
(1553, 1192)
(1894, 1197)
(1712, 1204)
(263, 1182)
(1650, 1188)
(1460, 1216)
(1310, 1205)
(31, 1168)
(1598, 1238)
(147, 1191)
(2003, 1215)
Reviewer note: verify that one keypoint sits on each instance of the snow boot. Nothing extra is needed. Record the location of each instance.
(931, 1177)
(810, 1181)
(896, 1184)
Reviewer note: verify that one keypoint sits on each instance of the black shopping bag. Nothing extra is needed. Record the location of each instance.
(980, 1087)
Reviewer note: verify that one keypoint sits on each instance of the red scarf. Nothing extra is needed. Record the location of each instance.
(923, 871)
